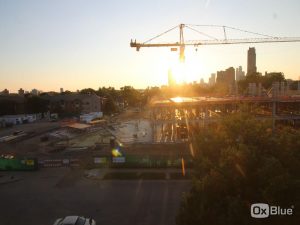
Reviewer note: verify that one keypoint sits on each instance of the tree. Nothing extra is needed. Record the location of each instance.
(66, 92)
(130, 95)
(109, 106)
(239, 162)
(149, 93)
(294, 85)
(106, 92)
(250, 78)
(88, 91)
(266, 80)
(270, 78)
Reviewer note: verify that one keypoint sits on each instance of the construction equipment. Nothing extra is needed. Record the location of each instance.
(211, 41)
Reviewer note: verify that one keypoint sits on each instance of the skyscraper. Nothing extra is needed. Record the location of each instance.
(239, 74)
(226, 77)
(202, 81)
(251, 65)
(212, 79)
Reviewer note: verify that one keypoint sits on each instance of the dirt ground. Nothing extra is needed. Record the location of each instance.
(132, 113)
(33, 146)
(30, 143)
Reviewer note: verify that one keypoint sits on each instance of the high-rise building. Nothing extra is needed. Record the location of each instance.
(251, 63)
(239, 74)
(226, 77)
(61, 90)
(212, 79)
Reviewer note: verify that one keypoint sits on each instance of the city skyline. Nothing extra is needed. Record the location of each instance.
(49, 45)
(236, 74)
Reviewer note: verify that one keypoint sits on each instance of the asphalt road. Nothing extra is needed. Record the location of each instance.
(41, 197)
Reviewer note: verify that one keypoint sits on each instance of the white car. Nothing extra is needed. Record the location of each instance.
(74, 220)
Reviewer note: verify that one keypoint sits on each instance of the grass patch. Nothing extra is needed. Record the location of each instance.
(121, 176)
(153, 175)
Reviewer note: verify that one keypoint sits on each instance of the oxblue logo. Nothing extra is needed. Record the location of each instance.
(260, 210)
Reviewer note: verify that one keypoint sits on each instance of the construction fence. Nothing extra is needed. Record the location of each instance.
(128, 161)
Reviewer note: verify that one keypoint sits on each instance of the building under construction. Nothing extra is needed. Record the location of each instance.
(171, 118)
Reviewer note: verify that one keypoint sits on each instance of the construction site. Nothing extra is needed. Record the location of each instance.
(129, 133)
(87, 163)
(162, 126)
(172, 118)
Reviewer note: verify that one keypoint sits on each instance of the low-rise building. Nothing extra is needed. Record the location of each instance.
(12, 104)
(74, 103)
(20, 119)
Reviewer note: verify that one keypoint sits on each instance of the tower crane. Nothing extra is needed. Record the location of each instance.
(181, 44)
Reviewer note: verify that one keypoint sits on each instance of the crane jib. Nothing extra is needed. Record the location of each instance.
(213, 41)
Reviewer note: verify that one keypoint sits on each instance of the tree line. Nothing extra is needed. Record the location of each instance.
(132, 97)
(238, 162)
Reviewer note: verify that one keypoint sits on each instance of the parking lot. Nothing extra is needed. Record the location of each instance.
(41, 197)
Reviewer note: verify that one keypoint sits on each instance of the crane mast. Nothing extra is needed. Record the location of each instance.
(181, 44)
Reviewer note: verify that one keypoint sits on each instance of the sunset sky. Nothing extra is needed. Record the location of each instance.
(75, 44)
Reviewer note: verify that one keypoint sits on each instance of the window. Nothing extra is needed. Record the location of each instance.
(80, 221)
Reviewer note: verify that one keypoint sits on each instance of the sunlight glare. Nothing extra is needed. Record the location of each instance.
(189, 71)
(177, 99)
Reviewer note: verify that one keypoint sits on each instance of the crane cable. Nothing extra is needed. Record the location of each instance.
(233, 28)
(157, 36)
(190, 26)
(204, 34)
(250, 32)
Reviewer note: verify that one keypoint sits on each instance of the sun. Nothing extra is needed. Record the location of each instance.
(188, 71)
(178, 71)
(169, 66)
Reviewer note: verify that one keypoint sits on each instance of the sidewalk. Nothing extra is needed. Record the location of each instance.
(100, 173)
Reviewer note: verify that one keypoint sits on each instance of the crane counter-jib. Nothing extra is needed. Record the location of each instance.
(139, 45)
